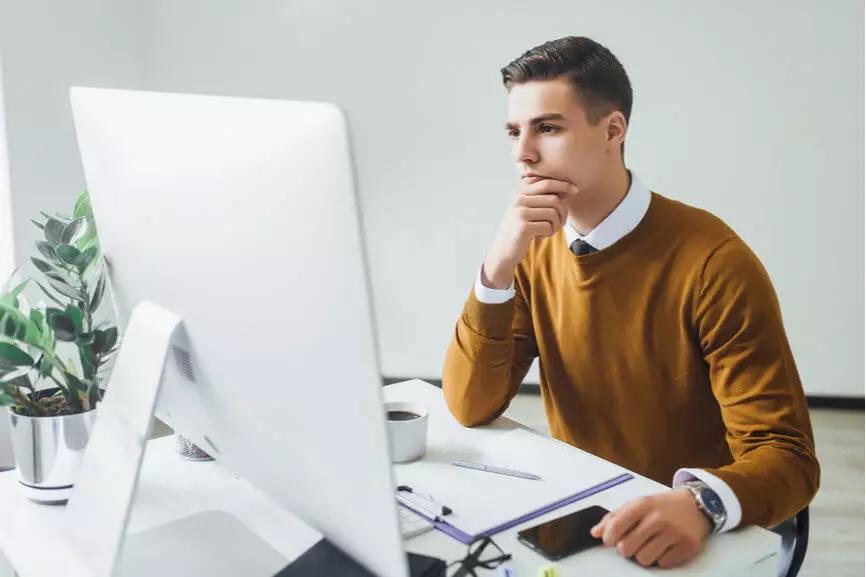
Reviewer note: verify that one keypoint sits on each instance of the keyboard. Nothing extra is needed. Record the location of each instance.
(412, 524)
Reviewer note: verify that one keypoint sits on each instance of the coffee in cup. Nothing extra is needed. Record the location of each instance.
(407, 430)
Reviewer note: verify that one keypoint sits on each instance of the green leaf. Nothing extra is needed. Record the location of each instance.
(67, 290)
(76, 315)
(71, 229)
(93, 394)
(58, 276)
(11, 297)
(88, 240)
(8, 327)
(97, 293)
(47, 251)
(110, 338)
(49, 294)
(53, 231)
(37, 318)
(75, 384)
(12, 356)
(64, 327)
(41, 264)
(19, 380)
(83, 209)
(8, 392)
(82, 205)
(88, 363)
(86, 258)
(100, 342)
(12, 326)
(68, 253)
(45, 367)
(86, 339)
(18, 326)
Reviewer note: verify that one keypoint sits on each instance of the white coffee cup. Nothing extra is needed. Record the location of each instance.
(407, 437)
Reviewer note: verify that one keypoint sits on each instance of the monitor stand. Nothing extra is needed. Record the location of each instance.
(211, 543)
(99, 508)
(98, 512)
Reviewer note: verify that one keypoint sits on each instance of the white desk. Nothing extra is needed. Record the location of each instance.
(31, 535)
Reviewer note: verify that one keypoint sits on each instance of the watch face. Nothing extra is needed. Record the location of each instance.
(712, 501)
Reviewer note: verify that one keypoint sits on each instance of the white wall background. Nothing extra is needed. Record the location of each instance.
(49, 45)
(46, 47)
(7, 261)
(753, 110)
(7, 246)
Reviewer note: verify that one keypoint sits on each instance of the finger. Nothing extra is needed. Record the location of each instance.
(624, 519)
(544, 201)
(550, 186)
(550, 215)
(540, 229)
(674, 557)
(639, 536)
(598, 529)
(653, 550)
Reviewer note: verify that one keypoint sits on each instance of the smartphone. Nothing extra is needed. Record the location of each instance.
(564, 536)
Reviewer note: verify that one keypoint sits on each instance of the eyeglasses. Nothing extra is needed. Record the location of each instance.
(472, 561)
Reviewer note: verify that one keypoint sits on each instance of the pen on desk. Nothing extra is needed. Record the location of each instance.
(497, 470)
(428, 505)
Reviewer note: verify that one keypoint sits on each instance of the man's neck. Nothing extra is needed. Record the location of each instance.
(591, 206)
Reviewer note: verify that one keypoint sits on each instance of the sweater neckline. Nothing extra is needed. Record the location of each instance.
(622, 245)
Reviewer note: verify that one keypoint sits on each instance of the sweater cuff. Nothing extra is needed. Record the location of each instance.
(491, 321)
(729, 499)
(492, 296)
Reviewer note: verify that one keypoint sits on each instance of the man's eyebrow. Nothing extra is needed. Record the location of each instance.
(538, 119)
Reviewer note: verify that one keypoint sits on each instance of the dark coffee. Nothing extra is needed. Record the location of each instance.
(402, 415)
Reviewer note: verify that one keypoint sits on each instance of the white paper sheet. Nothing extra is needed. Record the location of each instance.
(482, 500)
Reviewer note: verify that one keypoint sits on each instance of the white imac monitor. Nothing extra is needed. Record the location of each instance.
(239, 216)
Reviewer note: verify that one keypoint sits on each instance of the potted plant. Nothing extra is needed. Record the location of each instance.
(53, 357)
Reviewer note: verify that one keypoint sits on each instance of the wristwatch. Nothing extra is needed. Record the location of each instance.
(709, 503)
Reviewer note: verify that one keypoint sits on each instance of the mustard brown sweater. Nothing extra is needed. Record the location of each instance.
(664, 350)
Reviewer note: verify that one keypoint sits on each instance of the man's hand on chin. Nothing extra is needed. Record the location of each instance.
(667, 529)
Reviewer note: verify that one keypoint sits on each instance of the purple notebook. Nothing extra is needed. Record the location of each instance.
(466, 538)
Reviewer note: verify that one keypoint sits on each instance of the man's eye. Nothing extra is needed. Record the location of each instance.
(513, 134)
(547, 129)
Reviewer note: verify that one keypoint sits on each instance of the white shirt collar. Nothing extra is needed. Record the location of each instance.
(624, 218)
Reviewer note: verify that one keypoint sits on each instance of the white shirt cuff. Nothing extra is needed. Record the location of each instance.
(729, 499)
(490, 296)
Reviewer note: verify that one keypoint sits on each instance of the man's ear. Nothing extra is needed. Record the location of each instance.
(616, 128)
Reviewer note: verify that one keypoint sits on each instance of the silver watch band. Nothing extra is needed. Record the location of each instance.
(717, 520)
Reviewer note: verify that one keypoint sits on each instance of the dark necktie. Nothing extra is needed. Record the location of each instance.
(581, 247)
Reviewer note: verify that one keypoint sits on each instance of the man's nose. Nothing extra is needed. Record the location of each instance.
(525, 150)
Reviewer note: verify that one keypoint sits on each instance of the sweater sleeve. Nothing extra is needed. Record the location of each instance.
(775, 472)
(491, 350)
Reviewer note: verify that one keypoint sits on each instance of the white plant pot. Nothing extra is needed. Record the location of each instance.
(48, 452)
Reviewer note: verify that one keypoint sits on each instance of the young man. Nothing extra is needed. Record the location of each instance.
(658, 332)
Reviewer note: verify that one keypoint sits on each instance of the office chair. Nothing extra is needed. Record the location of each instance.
(795, 540)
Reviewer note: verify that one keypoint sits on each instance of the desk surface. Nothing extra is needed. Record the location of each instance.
(31, 535)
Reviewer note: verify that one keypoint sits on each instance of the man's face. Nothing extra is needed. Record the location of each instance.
(551, 136)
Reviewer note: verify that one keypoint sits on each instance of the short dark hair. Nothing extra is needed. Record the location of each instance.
(598, 77)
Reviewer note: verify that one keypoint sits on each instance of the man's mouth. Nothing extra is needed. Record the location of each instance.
(531, 177)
